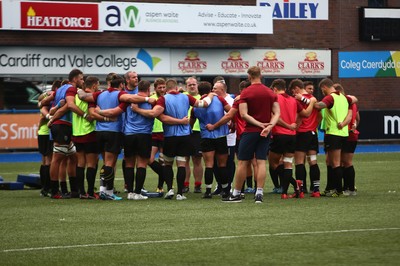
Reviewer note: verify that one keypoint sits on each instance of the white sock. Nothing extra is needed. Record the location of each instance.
(236, 192)
(260, 191)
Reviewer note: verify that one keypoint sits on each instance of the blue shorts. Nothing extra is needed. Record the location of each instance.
(253, 145)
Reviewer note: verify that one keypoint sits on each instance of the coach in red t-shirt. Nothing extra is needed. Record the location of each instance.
(259, 108)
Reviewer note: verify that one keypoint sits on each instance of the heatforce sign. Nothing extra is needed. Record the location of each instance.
(59, 16)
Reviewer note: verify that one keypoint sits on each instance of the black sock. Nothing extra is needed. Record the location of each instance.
(129, 178)
(287, 175)
(168, 176)
(73, 183)
(337, 178)
(107, 175)
(208, 176)
(224, 175)
(180, 178)
(64, 188)
(55, 187)
(301, 174)
(330, 182)
(274, 176)
(47, 177)
(350, 174)
(140, 177)
(42, 175)
(315, 177)
(91, 179)
(280, 171)
(217, 172)
(158, 169)
(249, 181)
(123, 171)
(80, 179)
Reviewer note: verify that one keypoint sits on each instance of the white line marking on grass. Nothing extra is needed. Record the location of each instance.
(198, 239)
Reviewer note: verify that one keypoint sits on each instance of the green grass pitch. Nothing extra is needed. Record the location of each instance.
(360, 230)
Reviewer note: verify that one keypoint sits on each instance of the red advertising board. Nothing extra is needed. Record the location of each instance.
(18, 131)
(59, 16)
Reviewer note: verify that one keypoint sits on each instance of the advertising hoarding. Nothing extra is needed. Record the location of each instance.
(297, 9)
(157, 17)
(368, 64)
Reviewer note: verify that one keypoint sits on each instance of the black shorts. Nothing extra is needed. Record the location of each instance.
(237, 146)
(282, 144)
(88, 147)
(177, 146)
(332, 142)
(157, 143)
(307, 141)
(137, 144)
(349, 146)
(61, 134)
(45, 145)
(195, 140)
(218, 145)
(253, 145)
(109, 141)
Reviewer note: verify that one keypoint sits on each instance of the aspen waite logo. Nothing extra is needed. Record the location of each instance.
(115, 18)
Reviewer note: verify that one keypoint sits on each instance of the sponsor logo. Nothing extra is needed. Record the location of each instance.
(311, 65)
(115, 18)
(59, 16)
(285, 9)
(192, 63)
(150, 61)
(270, 63)
(235, 63)
(392, 123)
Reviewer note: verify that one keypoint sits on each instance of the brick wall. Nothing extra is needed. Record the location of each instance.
(339, 33)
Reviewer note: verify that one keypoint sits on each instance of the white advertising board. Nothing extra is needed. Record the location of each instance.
(157, 17)
(273, 62)
(297, 9)
(52, 60)
(152, 61)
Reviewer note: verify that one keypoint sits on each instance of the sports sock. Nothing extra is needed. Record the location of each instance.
(208, 177)
(274, 176)
(42, 175)
(315, 176)
(54, 187)
(249, 181)
(330, 178)
(180, 178)
(140, 177)
(91, 179)
(64, 188)
(129, 178)
(337, 178)
(123, 171)
(301, 174)
(168, 175)
(157, 168)
(47, 177)
(73, 183)
(350, 174)
(224, 177)
(285, 180)
(260, 191)
(80, 179)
